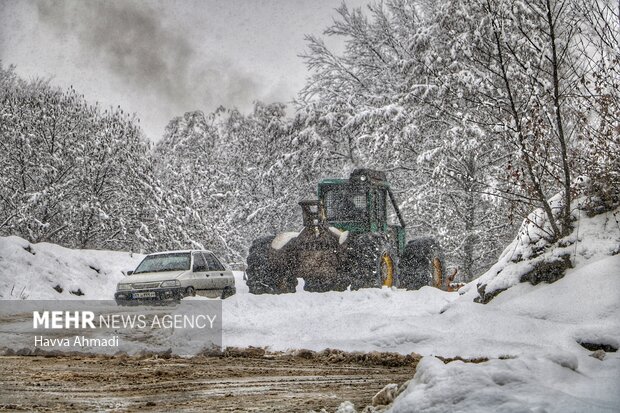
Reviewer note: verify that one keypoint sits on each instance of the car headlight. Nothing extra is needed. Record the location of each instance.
(123, 287)
(171, 283)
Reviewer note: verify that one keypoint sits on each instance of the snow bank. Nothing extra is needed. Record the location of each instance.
(365, 320)
(33, 271)
(539, 328)
(525, 384)
(590, 294)
(584, 305)
(593, 238)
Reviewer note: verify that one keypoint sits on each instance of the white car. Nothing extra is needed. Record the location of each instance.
(172, 275)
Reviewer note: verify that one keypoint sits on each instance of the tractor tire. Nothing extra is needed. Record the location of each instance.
(267, 271)
(418, 263)
(339, 282)
(373, 262)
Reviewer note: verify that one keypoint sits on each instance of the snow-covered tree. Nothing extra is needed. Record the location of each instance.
(387, 102)
(72, 173)
(598, 147)
(231, 178)
(478, 110)
(187, 166)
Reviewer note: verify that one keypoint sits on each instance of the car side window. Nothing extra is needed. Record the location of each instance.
(199, 262)
(213, 263)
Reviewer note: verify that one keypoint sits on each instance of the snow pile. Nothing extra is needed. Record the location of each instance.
(364, 320)
(546, 331)
(547, 383)
(49, 272)
(583, 306)
(593, 238)
(543, 366)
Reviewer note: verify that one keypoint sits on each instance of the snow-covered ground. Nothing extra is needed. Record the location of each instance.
(530, 333)
(543, 318)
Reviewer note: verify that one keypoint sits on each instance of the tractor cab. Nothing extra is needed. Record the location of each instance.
(360, 204)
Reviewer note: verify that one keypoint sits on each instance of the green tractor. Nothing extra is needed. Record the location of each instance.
(346, 242)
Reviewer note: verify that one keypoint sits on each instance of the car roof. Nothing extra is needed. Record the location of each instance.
(178, 251)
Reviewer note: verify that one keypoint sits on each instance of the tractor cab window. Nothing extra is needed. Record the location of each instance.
(345, 205)
(379, 209)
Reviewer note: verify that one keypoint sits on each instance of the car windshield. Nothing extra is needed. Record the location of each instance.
(164, 262)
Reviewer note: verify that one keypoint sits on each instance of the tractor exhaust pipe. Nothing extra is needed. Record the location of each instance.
(313, 213)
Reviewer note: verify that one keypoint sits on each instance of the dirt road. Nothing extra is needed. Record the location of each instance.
(235, 382)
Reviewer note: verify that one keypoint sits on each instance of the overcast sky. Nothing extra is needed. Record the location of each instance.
(160, 59)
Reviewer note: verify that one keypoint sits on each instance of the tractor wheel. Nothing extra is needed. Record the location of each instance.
(373, 262)
(268, 270)
(421, 264)
(339, 282)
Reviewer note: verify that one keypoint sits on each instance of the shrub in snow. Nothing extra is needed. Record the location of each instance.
(548, 271)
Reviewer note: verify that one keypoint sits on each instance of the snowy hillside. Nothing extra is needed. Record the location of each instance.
(532, 335)
(49, 272)
(558, 328)
(530, 257)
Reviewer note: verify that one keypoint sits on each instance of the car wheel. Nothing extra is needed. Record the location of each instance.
(190, 292)
(227, 292)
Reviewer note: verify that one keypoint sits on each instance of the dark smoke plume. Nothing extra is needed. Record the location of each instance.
(130, 39)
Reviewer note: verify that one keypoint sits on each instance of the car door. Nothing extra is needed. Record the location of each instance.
(219, 274)
(201, 277)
